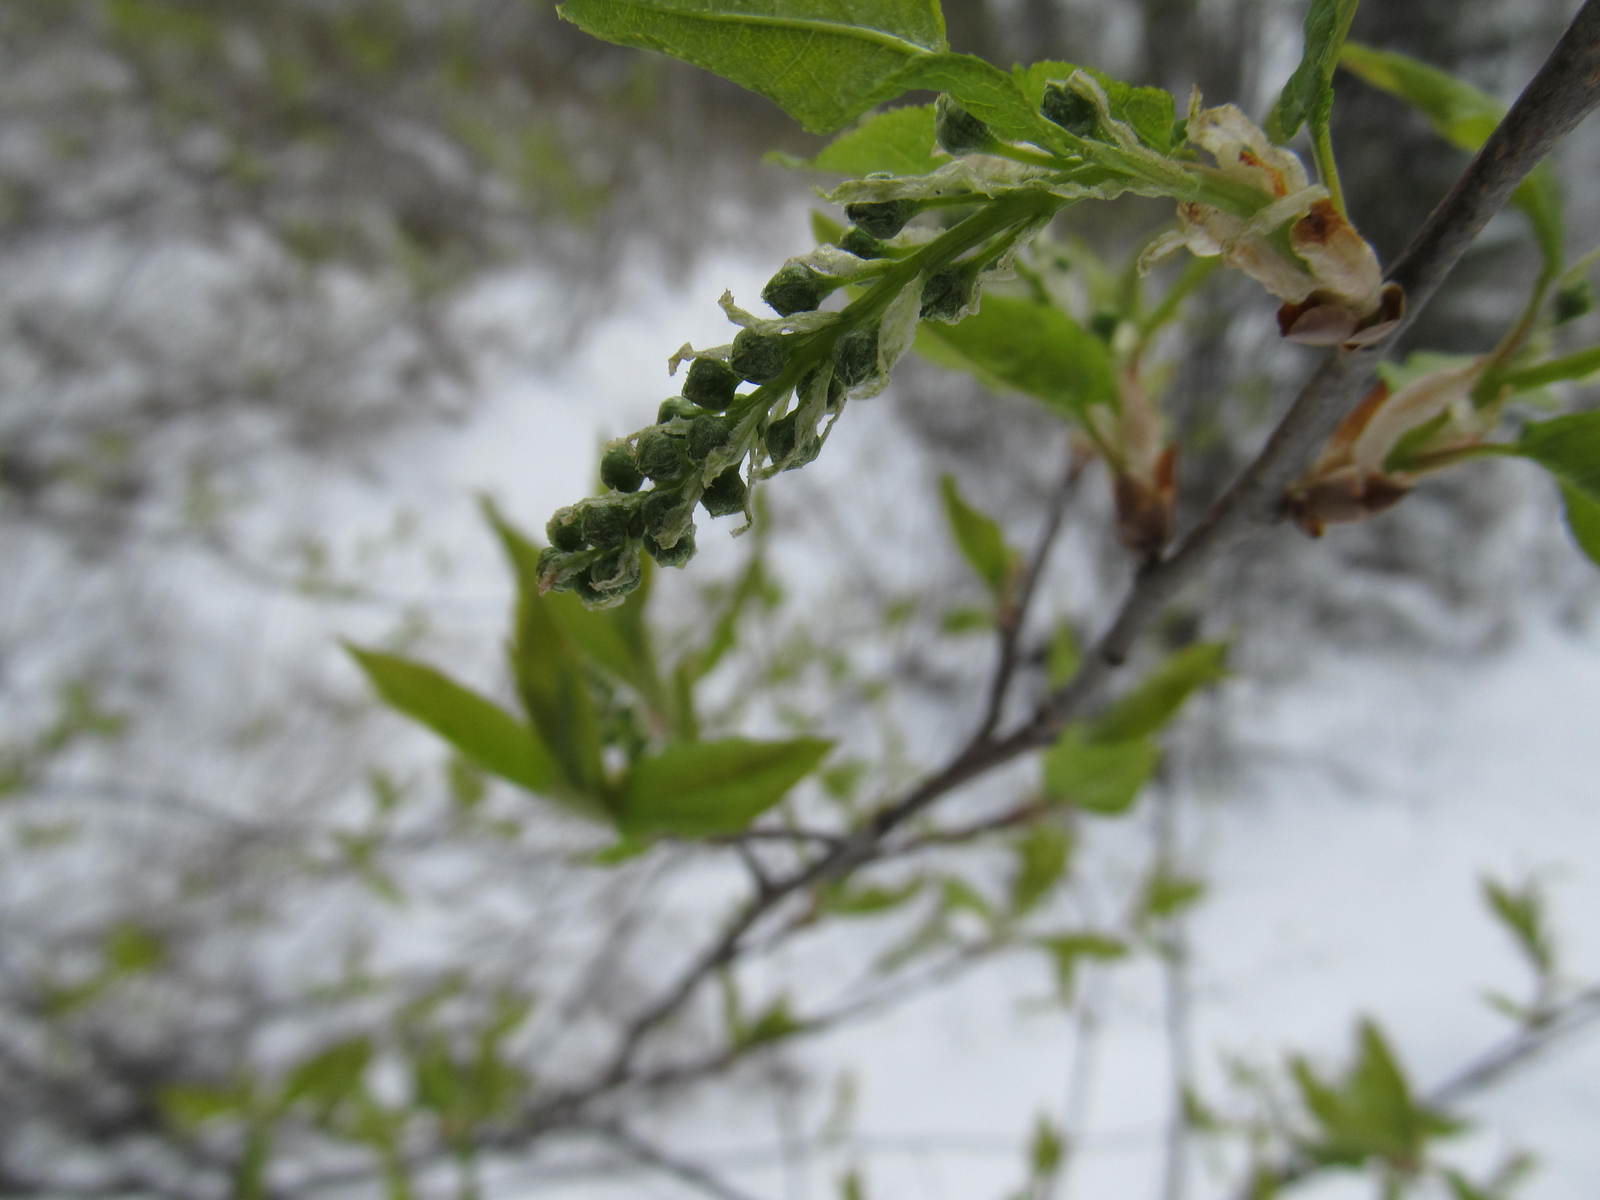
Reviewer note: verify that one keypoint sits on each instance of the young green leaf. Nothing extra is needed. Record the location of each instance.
(328, 1077)
(1569, 448)
(1042, 857)
(554, 687)
(899, 141)
(846, 900)
(980, 540)
(702, 789)
(1150, 111)
(1012, 344)
(1521, 911)
(822, 62)
(1046, 1151)
(1581, 365)
(483, 732)
(1065, 951)
(1464, 117)
(1157, 699)
(1098, 777)
(1308, 96)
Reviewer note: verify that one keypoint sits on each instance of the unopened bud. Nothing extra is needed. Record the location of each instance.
(675, 555)
(797, 288)
(947, 294)
(608, 522)
(862, 244)
(856, 357)
(710, 384)
(707, 435)
(1072, 112)
(662, 457)
(725, 495)
(758, 357)
(676, 406)
(619, 467)
(565, 529)
(881, 218)
(958, 131)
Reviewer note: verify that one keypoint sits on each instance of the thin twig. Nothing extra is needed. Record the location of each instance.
(1015, 612)
(684, 1171)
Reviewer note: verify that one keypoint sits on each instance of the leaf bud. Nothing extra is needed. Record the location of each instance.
(1072, 112)
(565, 529)
(862, 244)
(758, 357)
(856, 357)
(675, 406)
(619, 467)
(675, 555)
(797, 288)
(710, 384)
(707, 435)
(662, 457)
(947, 294)
(608, 521)
(725, 495)
(881, 218)
(958, 131)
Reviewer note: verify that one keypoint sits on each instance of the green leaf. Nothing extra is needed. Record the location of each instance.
(1464, 117)
(1098, 777)
(1581, 365)
(851, 1187)
(1308, 96)
(1012, 344)
(1166, 895)
(1066, 655)
(1067, 950)
(844, 900)
(553, 684)
(980, 540)
(775, 1023)
(1569, 448)
(480, 730)
(131, 949)
(822, 62)
(330, 1076)
(1042, 856)
(984, 90)
(702, 789)
(1521, 911)
(189, 1106)
(1157, 698)
(900, 142)
(1047, 1150)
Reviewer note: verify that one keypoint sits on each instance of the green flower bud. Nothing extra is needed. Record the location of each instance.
(707, 435)
(1069, 110)
(947, 293)
(789, 445)
(881, 218)
(560, 571)
(725, 495)
(1574, 301)
(565, 529)
(608, 521)
(592, 596)
(797, 288)
(619, 467)
(710, 384)
(617, 572)
(1104, 325)
(836, 388)
(958, 131)
(675, 406)
(862, 244)
(662, 457)
(667, 516)
(856, 357)
(675, 555)
(758, 357)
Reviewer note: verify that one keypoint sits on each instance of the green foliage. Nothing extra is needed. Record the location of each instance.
(1043, 854)
(1464, 117)
(820, 66)
(1521, 911)
(1099, 777)
(1159, 696)
(1371, 1113)
(1308, 96)
(980, 540)
(1019, 345)
(1066, 952)
(1569, 448)
(900, 141)
(330, 1077)
(702, 789)
(480, 730)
